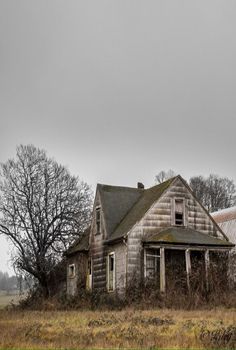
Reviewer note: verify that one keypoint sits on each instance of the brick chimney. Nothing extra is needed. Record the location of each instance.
(140, 185)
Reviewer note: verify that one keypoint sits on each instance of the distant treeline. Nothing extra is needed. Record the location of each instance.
(10, 283)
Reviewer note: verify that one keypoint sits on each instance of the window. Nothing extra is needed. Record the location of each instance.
(179, 212)
(98, 220)
(89, 275)
(111, 272)
(71, 271)
(152, 264)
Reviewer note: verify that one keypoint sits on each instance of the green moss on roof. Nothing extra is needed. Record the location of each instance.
(81, 244)
(116, 202)
(139, 208)
(185, 235)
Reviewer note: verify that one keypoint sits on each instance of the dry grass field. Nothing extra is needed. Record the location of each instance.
(7, 299)
(150, 329)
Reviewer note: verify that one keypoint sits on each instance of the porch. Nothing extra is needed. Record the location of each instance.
(175, 253)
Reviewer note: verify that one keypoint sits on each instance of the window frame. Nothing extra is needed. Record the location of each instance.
(89, 276)
(108, 270)
(71, 274)
(183, 200)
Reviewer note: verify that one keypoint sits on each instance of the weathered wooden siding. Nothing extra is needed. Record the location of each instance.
(120, 266)
(79, 280)
(98, 250)
(159, 216)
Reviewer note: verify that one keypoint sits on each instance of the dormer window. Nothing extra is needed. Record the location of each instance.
(179, 212)
(98, 220)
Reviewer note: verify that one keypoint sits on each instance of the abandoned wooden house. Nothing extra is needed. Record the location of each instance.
(148, 234)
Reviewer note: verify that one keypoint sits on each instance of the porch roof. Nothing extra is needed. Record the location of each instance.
(188, 236)
(80, 245)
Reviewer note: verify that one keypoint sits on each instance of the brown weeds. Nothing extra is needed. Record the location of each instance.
(129, 328)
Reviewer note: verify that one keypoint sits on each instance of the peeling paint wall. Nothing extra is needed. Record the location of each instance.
(79, 279)
(159, 216)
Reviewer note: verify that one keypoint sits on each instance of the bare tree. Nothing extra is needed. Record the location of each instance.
(43, 208)
(164, 175)
(214, 192)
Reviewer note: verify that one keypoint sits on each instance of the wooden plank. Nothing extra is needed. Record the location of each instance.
(207, 265)
(188, 266)
(162, 270)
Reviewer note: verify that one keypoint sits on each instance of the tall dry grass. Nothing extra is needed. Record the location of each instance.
(128, 328)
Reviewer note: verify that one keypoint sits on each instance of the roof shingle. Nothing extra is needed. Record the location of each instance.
(140, 207)
(186, 235)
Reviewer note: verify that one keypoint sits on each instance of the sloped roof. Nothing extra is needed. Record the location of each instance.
(139, 208)
(226, 219)
(186, 235)
(224, 215)
(116, 202)
(81, 244)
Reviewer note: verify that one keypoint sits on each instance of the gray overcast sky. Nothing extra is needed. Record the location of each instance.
(119, 90)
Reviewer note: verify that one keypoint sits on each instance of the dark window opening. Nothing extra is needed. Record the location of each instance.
(98, 220)
(111, 262)
(111, 272)
(89, 267)
(179, 219)
(71, 270)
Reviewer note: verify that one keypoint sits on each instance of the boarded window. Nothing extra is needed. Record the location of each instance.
(98, 220)
(71, 270)
(111, 272)
(179, 212)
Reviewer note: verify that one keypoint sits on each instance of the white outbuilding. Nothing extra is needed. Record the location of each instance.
(226, 219)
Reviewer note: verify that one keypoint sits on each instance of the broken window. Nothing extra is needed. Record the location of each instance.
(179, 212)
(111, 272)
(152, 265)
(98, 220)
(71, 271)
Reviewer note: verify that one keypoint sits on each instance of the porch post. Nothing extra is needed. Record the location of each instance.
(145, 263)
(162, 270)
(207, 264)
(188, 266)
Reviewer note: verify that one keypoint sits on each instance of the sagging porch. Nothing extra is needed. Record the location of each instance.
(176, 253)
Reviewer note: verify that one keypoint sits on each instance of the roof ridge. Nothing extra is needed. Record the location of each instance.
(139, 189)
(162, 187)
(164, 182)
(121, 187)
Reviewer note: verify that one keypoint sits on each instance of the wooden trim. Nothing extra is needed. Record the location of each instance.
(184, 247)
(207, 266)
(173, 210)
(145, 263)
(114, 272)
(162, 270)
(188, 266)
(89, 277)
